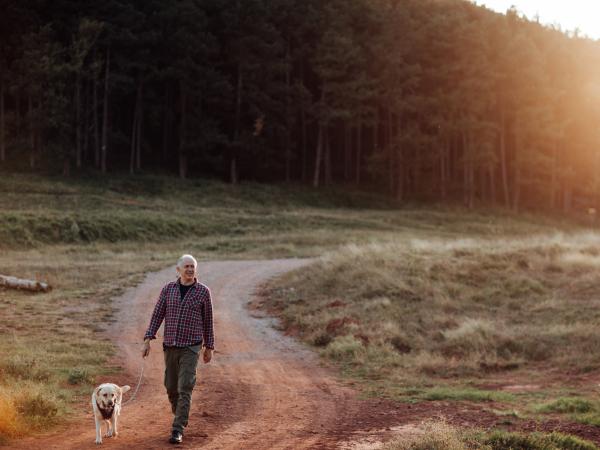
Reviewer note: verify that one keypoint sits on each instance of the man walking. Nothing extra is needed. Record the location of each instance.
(186, 307)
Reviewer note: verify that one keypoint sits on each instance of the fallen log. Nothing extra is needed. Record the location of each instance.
(19, 283)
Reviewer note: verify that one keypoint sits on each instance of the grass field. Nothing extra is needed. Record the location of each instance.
(402, 296)
(509, 320)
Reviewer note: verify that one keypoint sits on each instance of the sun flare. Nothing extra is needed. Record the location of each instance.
(575, 14)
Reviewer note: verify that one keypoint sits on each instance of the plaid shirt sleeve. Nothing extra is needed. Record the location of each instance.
(208, 336)
(157, 316)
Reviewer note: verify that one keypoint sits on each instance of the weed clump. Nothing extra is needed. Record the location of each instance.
(345, 348)
(536, 441)
(432, 436)
(79, 376)
(38, 406)
(567, 405)
(23, 367)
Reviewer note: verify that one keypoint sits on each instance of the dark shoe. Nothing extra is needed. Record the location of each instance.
(176, 437)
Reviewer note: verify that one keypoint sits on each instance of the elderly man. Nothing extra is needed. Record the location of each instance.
(185, 306)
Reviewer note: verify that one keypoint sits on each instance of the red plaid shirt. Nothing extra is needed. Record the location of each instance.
(188, 321)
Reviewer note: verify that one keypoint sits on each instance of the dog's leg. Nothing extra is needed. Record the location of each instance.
(98, 431)
(113, 419)
(109, 430)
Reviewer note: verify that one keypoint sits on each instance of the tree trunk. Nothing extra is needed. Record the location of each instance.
(481, 187)
(376, 130)
(328, 177)
(517, 180)
(304, 143)
(87, 90)
(78, 120)
(400, 169)
(105, 118)
(503, 160)
(140, 122)
(318, 156)
(466, 170)
(303, 128)
(95, 119)
(166, 122)
(32, 158)
(288, 119)
(471, 171)
(492, 179)
(391, 151)
(443, 151)
(358, 151)
(132, 146)
(18, 113)
(347, 151)
(2, 135)
(134, 156)
(20, 283)
(182, 133)
(554, 177)
(233, 176)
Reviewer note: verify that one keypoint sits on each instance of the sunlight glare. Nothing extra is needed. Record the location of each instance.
(569, 15)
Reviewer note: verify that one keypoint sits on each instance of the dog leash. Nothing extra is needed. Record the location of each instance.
(137, 388)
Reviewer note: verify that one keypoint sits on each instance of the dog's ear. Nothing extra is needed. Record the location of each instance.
(124, 389)
(96, 392)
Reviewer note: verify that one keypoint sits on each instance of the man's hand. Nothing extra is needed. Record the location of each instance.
(146, 349)
(206, 354)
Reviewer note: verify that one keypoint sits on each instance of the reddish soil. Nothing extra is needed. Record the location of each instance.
(263, 390)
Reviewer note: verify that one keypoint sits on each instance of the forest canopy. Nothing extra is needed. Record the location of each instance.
(421, 99)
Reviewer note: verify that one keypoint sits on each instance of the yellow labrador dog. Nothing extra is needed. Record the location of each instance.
(106, 403)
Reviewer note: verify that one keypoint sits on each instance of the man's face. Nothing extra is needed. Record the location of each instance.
(187, 271)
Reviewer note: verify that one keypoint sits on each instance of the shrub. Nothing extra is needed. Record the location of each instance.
(345, 348)
(24, 367)
(37, 405)
(536, 441)
(472, 336)
(322, 339)
(567, 405)
(10, 423)
(434, 436)
(79, 376)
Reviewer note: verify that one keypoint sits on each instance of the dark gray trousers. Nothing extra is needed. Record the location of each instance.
(180, 379)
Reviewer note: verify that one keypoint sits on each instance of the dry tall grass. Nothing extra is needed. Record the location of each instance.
(452, 309)
(435, 435)
(431, 436)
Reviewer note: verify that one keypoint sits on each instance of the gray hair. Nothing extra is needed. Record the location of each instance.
(181, 261)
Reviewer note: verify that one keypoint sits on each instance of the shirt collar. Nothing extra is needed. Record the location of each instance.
(195, 283)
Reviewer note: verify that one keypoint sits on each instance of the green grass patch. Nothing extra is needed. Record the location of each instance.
(577, 409)
(534, 441)
(469, 394)
(568, 405)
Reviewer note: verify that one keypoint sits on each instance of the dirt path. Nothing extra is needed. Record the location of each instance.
(262, 390)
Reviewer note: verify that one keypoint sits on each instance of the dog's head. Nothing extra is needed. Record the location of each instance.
(108, 395)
